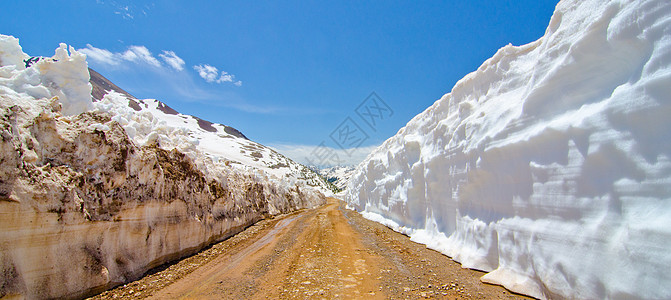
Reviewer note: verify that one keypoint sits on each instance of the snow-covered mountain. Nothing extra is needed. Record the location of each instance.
(339, 175)
(95, 193)
(550, 166)
(220, 143)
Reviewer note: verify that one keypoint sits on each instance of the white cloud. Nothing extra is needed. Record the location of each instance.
(136, 54)
(211, 74)
(172, 60)
(315, 154)
(142, 54)
(225, 77)
(126, 10)
(100, 55)
(207, 72)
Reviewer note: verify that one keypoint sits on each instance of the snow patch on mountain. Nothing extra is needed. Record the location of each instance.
(549, 167)
(209, 144)
(339, 175)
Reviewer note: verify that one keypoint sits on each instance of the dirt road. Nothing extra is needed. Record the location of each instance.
(325, 253)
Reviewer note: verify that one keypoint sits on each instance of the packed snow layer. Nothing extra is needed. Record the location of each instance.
(87, 203)
(65, 75)
(550, 166)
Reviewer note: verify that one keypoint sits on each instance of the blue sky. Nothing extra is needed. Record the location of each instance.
(285, 73)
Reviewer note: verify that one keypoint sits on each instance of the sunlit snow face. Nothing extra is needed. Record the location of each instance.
(549, 149)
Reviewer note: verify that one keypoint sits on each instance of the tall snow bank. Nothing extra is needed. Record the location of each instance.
(95, 199)
(550, 166)
(65, 75)
(11, 53)
(82, 208)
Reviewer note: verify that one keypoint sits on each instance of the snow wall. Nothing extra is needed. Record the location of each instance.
(85, 207)
(548, 167)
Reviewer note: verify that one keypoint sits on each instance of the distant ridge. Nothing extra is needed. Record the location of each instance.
(102, 85)
(218, 141)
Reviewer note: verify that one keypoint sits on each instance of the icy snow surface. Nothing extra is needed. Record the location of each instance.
(548, 167)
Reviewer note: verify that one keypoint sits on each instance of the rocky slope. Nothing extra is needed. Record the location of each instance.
(88, 202)
(100, 86)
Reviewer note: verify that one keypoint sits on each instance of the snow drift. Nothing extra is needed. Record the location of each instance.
(94, 194)
(550, 166)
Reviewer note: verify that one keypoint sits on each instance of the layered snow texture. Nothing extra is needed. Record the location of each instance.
(92, 196)
(60, 75)
(550, 166)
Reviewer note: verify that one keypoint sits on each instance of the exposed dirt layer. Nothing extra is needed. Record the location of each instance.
(325, 253)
